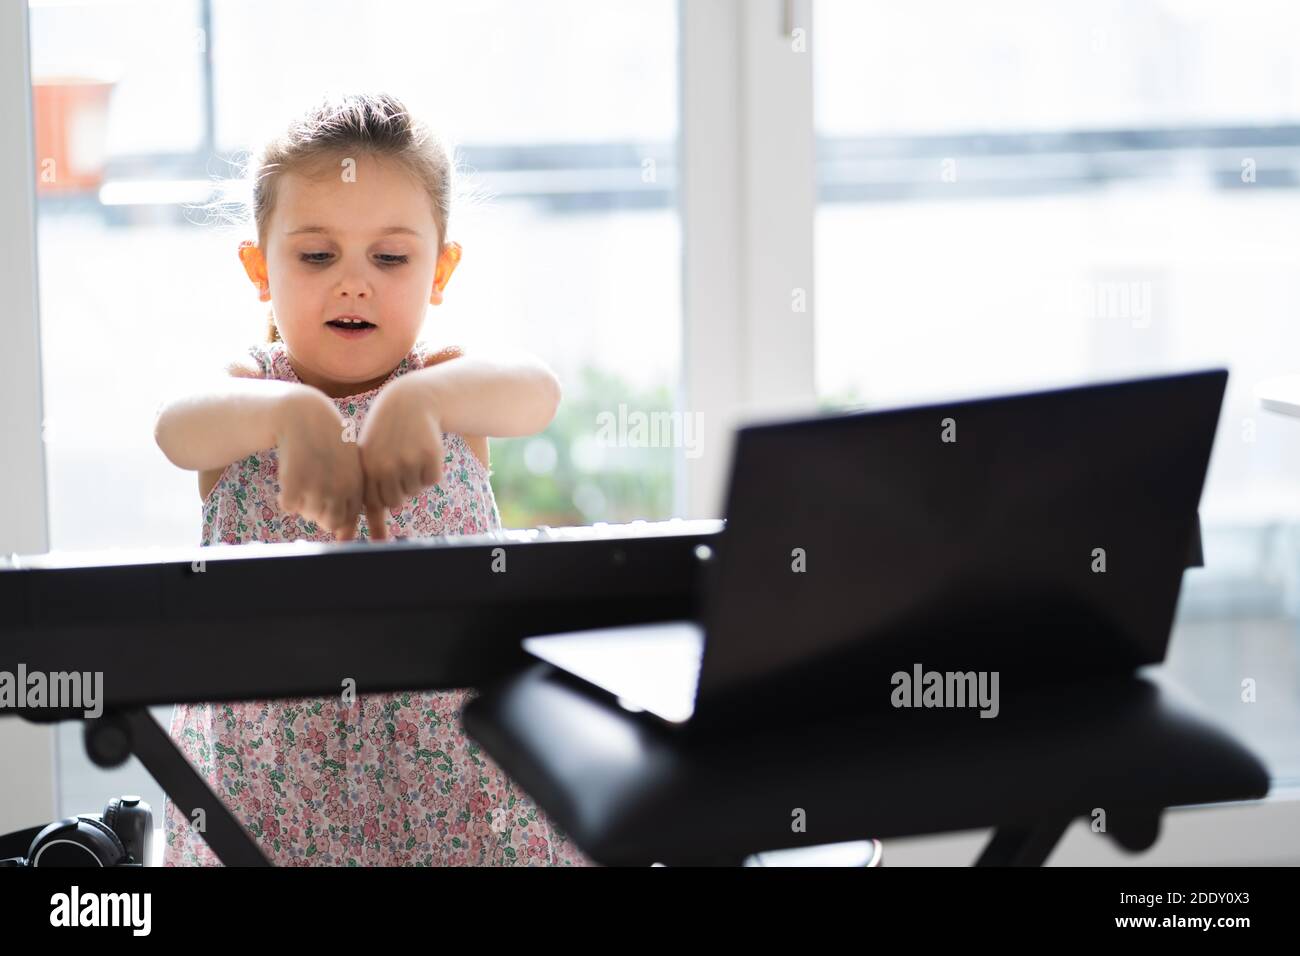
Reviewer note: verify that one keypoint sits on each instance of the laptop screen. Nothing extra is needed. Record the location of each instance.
(1044, 534)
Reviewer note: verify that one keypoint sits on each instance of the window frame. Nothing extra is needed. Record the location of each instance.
(748, 198)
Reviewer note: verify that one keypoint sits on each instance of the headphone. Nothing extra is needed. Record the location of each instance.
(121, 836)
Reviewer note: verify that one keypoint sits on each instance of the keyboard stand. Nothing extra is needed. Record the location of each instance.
(630, 791)
(117, 735)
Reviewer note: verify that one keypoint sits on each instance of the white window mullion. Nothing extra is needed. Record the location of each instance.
(748, 198)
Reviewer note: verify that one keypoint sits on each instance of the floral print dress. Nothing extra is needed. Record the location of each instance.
(390, 779)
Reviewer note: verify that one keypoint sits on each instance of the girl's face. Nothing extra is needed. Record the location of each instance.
(355, 240)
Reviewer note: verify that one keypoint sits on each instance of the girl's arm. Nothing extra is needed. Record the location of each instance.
(401, 444)
(504, 396)
(227, 420)
(320, 471)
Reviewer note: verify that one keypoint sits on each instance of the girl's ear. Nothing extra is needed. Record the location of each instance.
(255, 266)
(447, 262)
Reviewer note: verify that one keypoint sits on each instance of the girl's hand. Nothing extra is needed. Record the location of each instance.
(320, 468)
(401, 450)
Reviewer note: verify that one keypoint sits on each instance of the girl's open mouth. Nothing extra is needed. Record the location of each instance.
(351, 330)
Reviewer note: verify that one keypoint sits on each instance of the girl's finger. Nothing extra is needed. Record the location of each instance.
(411, 485)
(376, 518)
(308, 509)
(390, 493)
(374, 508)
(353, 515)
(339, 518)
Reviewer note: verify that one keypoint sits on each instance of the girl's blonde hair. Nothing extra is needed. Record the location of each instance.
(339, 128)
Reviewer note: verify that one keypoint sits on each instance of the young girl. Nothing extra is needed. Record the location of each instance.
(344, 425)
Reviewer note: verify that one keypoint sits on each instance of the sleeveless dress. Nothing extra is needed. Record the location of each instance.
(389, 780)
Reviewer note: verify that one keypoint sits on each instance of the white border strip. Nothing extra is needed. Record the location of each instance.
(26, 793)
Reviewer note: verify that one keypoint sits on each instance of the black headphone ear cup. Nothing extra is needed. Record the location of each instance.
(118, 850)
(76, 841)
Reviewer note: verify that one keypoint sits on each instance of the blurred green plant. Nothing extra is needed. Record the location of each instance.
(845, 400)
(567, 475)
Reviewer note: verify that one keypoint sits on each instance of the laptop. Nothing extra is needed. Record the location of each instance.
(1042, 535)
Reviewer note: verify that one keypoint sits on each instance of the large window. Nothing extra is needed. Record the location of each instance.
(1016, 194)
(564, 115)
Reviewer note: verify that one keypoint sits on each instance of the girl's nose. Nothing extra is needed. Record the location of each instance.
(353, 286)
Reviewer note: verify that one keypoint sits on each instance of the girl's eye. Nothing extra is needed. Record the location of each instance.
(320, 258)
